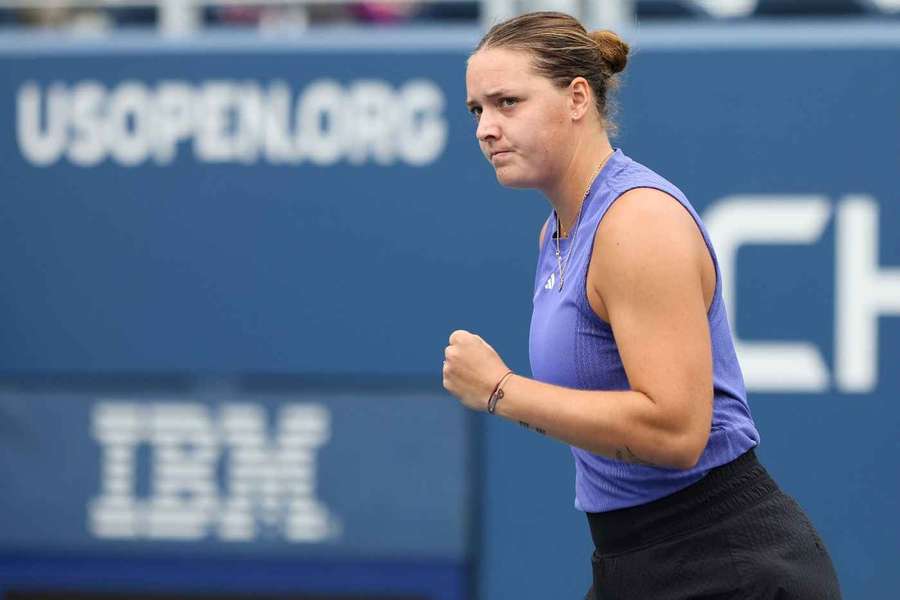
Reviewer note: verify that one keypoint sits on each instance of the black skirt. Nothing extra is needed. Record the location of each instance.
(733, 534)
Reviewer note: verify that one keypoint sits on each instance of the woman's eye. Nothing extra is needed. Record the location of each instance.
(508, 102)
(475, 111)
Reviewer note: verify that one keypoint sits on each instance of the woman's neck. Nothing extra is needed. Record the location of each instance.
(567, 196)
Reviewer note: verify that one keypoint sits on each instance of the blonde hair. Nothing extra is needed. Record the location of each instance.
(563, 49)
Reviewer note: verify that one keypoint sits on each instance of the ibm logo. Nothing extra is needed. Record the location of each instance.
(269, 484)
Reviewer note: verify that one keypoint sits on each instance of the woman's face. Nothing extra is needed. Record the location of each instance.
(522, 118)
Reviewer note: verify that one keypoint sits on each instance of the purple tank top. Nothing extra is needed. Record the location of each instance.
(570, 346)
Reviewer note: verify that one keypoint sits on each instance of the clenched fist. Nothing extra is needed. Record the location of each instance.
(471, 369)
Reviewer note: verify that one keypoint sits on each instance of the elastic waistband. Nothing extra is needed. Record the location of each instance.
(723, 490)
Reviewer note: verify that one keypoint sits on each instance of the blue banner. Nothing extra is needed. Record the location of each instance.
(224, 474)
(320, 209)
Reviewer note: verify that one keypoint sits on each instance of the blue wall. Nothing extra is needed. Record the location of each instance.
(222, 219)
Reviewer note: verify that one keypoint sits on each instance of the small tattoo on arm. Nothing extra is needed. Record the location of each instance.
(530, 428)
(626, 455)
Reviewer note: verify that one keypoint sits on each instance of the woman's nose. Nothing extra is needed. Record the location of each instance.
(487, 128)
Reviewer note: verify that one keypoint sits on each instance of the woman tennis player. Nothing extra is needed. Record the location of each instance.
(631, 352)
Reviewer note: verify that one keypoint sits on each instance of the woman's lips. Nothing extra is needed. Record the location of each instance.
(500, 155)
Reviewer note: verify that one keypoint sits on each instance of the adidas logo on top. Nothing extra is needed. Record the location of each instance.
(551, 281)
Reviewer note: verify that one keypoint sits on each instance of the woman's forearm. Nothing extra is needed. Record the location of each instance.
(623, 425)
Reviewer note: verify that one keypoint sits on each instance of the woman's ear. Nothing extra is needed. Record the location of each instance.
(581, 98)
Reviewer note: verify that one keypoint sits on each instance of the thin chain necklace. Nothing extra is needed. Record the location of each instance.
(562, 263)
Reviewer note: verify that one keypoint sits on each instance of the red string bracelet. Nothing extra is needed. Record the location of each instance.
(497, 394)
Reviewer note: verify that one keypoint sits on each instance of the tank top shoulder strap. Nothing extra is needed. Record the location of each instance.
(624, 174)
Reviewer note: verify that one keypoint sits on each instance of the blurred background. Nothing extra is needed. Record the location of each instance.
(235, 235)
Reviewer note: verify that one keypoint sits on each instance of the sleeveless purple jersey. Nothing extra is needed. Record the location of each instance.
(571, 346)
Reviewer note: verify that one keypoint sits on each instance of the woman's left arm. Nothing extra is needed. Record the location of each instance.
(647, 270)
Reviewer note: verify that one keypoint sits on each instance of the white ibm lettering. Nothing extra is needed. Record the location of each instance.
(863, 290)
(185, 451)
(273, 483)
(119, 429)
(367, 121)
(268, 483)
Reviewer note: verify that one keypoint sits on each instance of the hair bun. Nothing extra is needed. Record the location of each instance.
(613, 50)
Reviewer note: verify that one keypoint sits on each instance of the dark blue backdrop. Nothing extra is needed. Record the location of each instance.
(352, 273)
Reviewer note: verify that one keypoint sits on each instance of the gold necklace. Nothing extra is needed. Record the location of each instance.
(561, 263)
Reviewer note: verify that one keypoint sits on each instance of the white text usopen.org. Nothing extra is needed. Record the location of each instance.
(325, 123)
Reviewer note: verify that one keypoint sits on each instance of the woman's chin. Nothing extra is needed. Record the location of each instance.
(512, 179)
